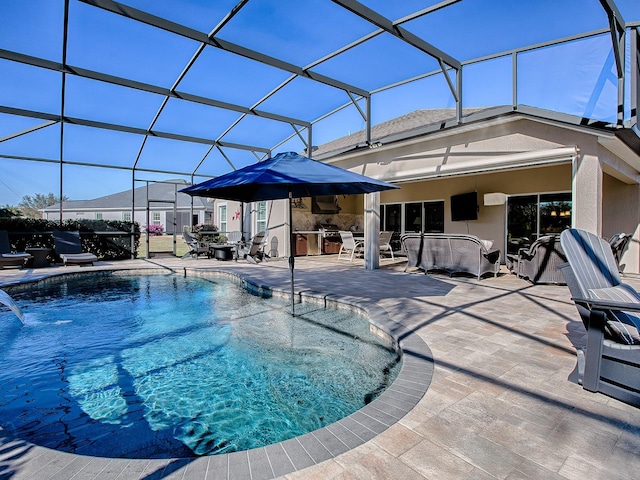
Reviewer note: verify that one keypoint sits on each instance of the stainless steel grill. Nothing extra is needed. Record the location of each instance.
(331, 240)
(329, 230)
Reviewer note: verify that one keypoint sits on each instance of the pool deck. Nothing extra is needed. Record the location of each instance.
(499, 404)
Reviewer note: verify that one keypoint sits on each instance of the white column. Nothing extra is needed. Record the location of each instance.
(372, 231)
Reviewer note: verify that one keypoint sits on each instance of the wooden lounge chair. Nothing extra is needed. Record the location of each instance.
(196, 248)
(69, 248)
(9, 258)
(254, 253)
(610, 311)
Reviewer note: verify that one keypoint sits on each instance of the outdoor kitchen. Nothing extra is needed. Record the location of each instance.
(317, 222)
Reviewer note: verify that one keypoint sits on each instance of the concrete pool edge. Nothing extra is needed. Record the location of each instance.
(306, 450)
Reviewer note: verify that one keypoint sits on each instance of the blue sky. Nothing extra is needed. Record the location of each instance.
(576, 78)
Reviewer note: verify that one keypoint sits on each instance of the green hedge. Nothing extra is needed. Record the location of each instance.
(94, 234)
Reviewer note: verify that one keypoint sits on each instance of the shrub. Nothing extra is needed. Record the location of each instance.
(155, 230)
(108, 239)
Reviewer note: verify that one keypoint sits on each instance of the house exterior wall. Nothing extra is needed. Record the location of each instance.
(512, 157)
(140, 216)
(621, 213)
(491, 219)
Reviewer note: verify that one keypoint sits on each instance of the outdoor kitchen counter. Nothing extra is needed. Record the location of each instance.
(307, 242)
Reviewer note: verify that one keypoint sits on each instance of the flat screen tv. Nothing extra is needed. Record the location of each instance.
(464, 207)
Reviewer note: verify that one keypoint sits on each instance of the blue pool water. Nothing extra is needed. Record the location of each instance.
(164, 366)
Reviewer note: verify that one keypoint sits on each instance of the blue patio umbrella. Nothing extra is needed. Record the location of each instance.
(286, 175)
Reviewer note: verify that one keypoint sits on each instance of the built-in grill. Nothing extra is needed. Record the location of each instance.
(329, 230)
(330, 234)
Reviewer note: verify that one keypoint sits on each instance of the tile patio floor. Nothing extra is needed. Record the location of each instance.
(499, 404)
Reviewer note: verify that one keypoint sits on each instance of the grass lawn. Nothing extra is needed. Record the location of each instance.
(162, 244)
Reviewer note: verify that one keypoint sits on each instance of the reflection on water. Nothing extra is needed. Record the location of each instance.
(163, 366)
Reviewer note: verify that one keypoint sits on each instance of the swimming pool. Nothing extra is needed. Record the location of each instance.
(164, 366)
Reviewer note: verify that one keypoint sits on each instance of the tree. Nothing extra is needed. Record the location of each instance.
(31, 206)
(8, 211)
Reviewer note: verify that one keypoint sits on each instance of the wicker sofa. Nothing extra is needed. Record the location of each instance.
(452, 253)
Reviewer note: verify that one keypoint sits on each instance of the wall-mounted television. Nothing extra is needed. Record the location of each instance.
(464, 207)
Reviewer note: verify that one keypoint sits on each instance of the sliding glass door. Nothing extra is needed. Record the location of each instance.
(533, 216)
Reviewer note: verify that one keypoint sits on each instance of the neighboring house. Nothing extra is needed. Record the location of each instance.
(534, 172)
(158, 203)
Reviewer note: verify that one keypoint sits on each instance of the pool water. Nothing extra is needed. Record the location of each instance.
(163, 366)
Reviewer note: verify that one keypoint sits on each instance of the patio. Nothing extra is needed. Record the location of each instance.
(499, 404)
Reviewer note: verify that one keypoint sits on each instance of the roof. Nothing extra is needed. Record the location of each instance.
(403, 124)
(122, 200)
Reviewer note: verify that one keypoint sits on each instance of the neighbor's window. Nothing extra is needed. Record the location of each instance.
(222, 217)
(155, 218)
(261, 217)
(126, 216)
(98, 216)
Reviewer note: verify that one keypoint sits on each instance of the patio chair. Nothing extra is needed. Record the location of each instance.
(539, 263)
(68, 247)
(619, 242)
(385, 243)
(610, 312)
(264, 253)
(254, 253)
(350, 246)
(9, 258)
(196, 248)
(235, 238)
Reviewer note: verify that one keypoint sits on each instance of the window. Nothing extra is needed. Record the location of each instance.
(434, 217)
(413, 217)
(126, 216)
(222, 217)
(418, 217)
(391, 218)
(261, 217)
(155, 218)
(98, 216)
(533, 216)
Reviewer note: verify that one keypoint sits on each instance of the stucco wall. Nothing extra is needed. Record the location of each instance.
(491, 219)
(621, 214)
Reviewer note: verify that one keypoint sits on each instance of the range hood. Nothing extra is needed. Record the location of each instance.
(325, 204)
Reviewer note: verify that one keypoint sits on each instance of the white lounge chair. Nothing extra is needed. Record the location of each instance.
(350, 246)
(385, 243)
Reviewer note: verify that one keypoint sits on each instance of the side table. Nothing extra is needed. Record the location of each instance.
(39, 255)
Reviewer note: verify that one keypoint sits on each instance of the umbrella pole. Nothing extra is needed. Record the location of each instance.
(291, 258)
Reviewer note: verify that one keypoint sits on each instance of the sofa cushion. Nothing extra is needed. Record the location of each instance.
(487, 244)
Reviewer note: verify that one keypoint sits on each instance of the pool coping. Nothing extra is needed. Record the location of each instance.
(306, 450)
